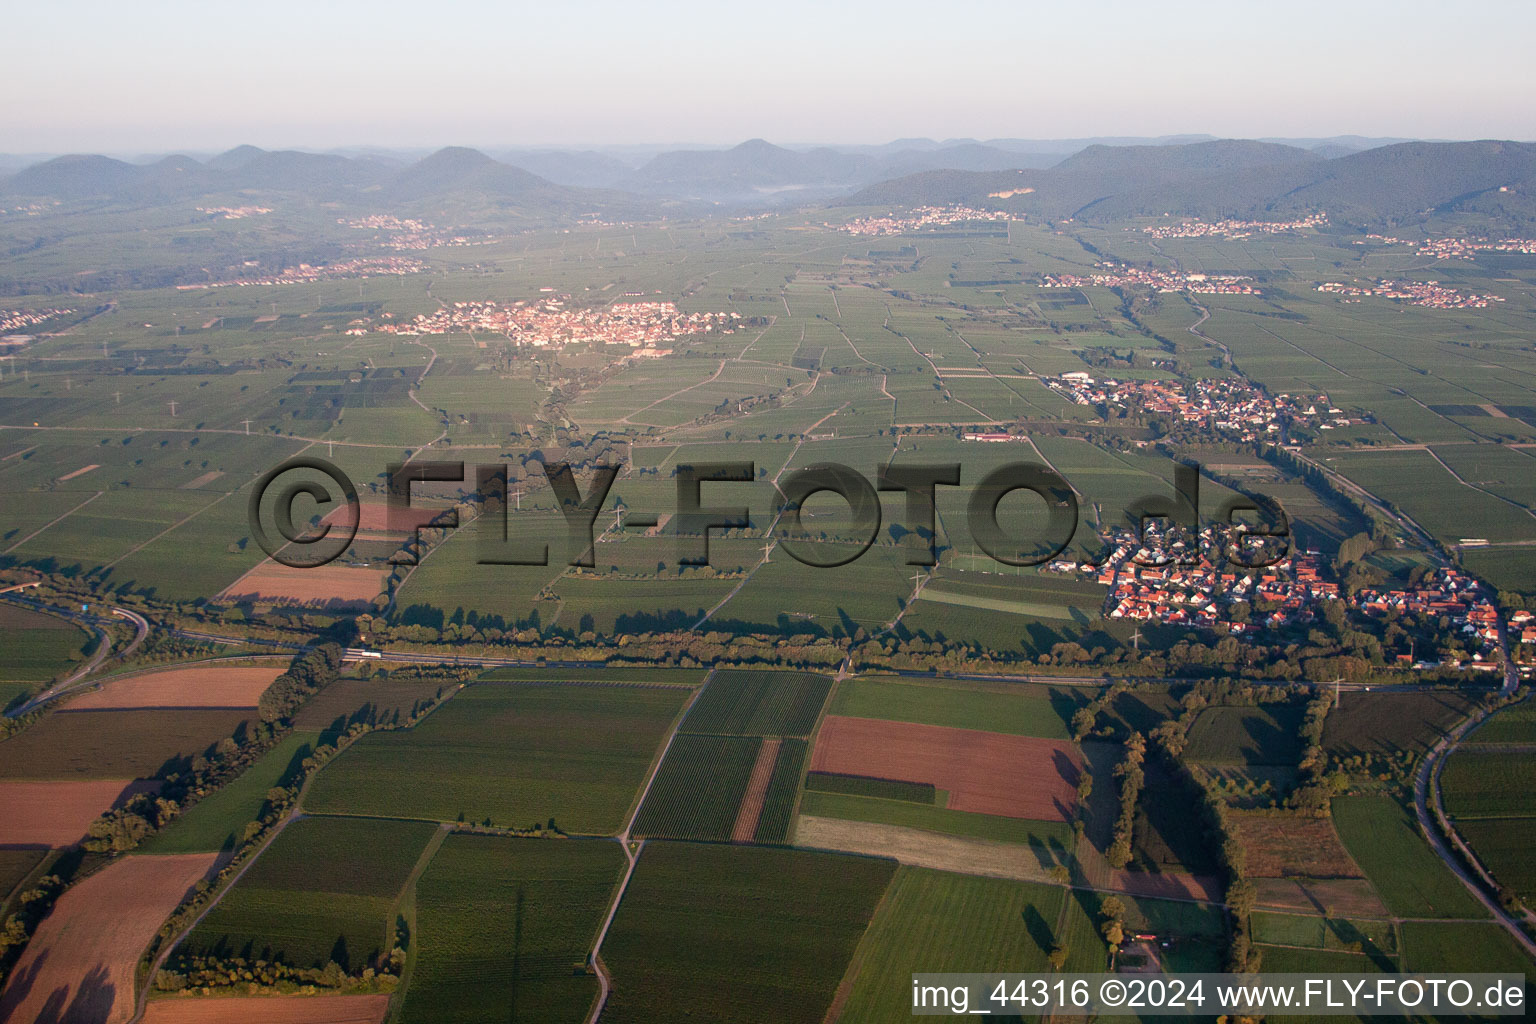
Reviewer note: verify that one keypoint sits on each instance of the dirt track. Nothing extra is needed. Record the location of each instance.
(79, 965)
(757, 788)
(984, 772)
(209, 686)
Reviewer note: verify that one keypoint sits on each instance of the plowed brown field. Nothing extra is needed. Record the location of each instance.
(79, 965)
(205, 687)
(269, 1010)
(328, 585)
(984, 772)
(58, 813)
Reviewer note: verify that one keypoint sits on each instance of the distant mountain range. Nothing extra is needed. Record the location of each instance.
(1383, 185)
(1354, 179)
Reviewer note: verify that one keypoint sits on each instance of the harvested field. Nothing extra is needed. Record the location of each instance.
(329, 586)
(921, 848)
(1339, 897)
(202, 481)
(212, 686)
(269, 1009)
(1292, 846)
(58, 813)
(983, 772)
(757, 788)
(79, 965)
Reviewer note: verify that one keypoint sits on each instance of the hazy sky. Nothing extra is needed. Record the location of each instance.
(90, 75)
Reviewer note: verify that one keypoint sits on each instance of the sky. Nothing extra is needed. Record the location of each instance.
(163, 75)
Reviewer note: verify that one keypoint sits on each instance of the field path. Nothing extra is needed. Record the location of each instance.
(757, 789)
(632, 856)
(1426, 802)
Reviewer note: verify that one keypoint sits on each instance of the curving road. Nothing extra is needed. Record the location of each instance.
(80, 678)
(1426, 802)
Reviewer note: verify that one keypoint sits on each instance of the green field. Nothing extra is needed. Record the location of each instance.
(217, 820)
(370, 701)
(15, 865)
(1019, 709)
(504, 928)
(936, 921)
(518, 754)
(778, 812)
(881, 789)
(1432, 946)
(116, 744)
(1515, 724)
(1250, 737)
(754, 703)
(325, 890)
(37, 647)
(725, 933)
(1381, 836)
(1488, 784)
(698, 788)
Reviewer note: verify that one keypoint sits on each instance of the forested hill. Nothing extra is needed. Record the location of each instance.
(1388, 185)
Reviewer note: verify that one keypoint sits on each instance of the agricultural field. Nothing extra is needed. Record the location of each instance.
(982, 772)
(217, 821)
(140, 744)
(777, 811)
(1012, 708)
(699, 787)
(84, 953)
(1515, 724)
(515, 754)
(1284, 845)
(738, 933)
(1488, 784)
(57, 814)
(504, 927)
(755, 703)
(325, 891)
(38, 648)
(935, 921)
(348, 1009)
(1246, 737)
(1387, 723)
(1383, 840)
(210, 686)
(377, 701)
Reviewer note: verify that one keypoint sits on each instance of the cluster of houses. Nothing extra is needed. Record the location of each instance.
(1154, 578)
(1451, 594)
(1233, 228)
(401, 234)
(14, 320)
(1157, 579)
(306, 273)
(1121, 275)
(1230, 407)
(1416, 293)
(234, 212)
(919, 218)
(643, 326)
(1457, 248)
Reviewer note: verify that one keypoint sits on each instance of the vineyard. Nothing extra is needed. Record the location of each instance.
(698, 788)
(755, 703)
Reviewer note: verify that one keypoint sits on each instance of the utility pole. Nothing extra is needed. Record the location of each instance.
(119, 396)
(518, 496)
(247, 427)
(1136, 639)
(173, 408)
